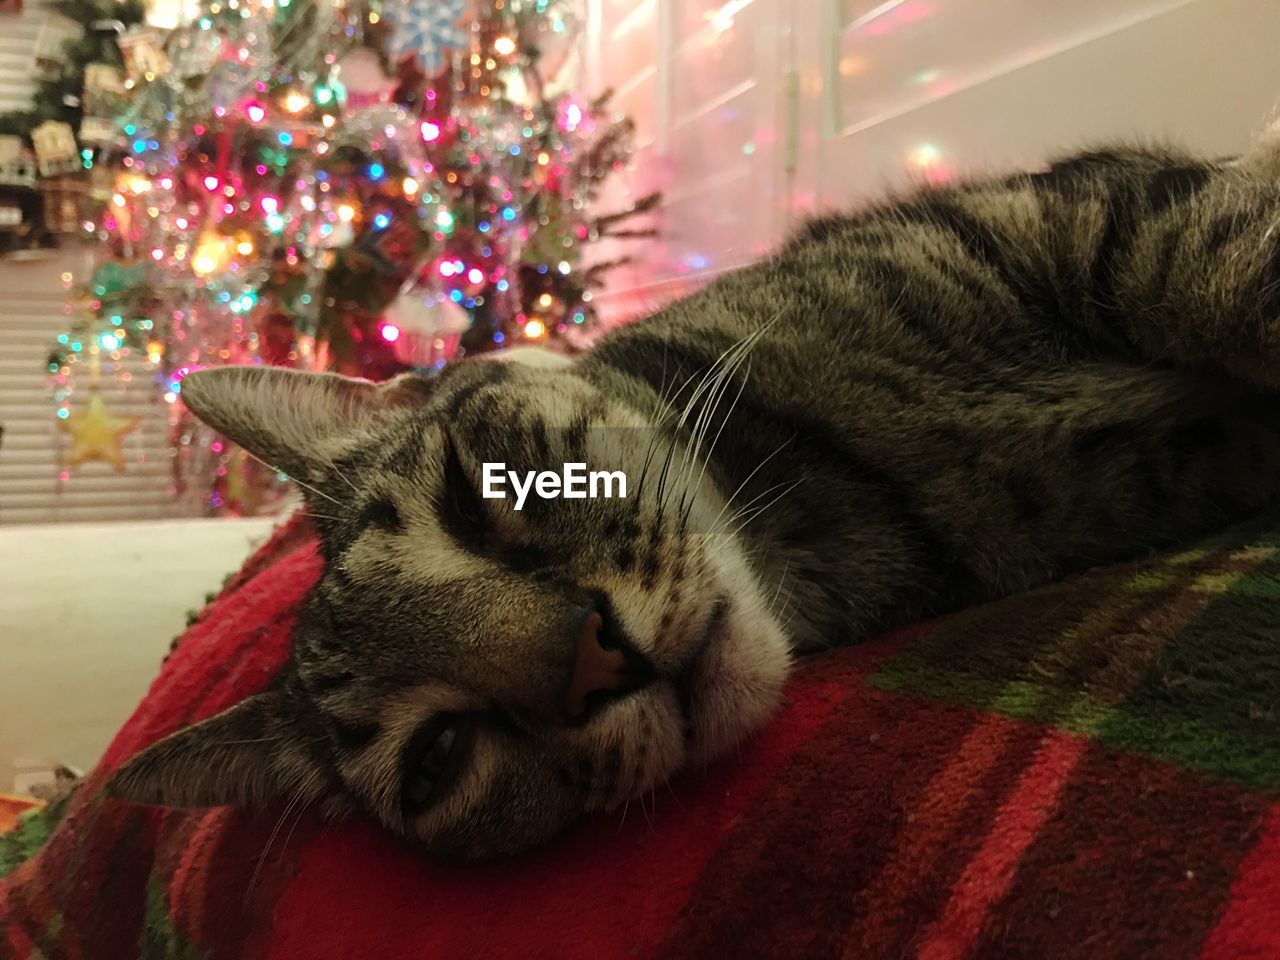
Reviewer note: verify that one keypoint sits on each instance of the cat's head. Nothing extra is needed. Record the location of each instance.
(474, 676)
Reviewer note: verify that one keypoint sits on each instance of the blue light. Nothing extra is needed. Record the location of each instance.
(130, 129)
(224, 297)
(286, 139)
(455, 296)
(486, 251)
(63, 413)
(153, 144)
(508, 213)
(483, 226)
(139, 146)
(381, 221)
(469, 303)
(503, 285)
(498, 337)
(377, 171)
(515, 150)
(542, 268)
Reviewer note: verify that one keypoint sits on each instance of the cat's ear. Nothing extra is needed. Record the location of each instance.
(248, 755)
(293, 420)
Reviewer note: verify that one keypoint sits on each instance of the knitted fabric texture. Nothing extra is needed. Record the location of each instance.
(1091, 770)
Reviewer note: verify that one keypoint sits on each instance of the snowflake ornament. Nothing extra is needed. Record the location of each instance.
(426, 29)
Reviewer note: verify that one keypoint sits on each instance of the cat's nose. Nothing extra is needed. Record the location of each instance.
(604, 668)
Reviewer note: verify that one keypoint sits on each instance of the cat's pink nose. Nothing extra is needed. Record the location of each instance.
(602, 670)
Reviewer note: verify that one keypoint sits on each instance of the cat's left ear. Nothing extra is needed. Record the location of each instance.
(295, 421)
(248, 756)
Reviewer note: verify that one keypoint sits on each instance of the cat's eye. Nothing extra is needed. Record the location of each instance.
(435, 756)
(461, 498)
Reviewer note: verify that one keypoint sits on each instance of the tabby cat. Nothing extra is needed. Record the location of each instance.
(956, 395)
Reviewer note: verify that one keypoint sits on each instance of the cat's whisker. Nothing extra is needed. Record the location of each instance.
(666, 782)
(333, 465)
(729, 502)
(706, 461)
(781, 580)
(724, 369)
(302, 483)
(300, 797)
(758, 511)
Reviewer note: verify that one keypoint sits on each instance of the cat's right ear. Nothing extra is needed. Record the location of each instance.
(296, 421)
(249, 755)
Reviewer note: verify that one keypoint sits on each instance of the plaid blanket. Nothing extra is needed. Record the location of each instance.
(1091, 770)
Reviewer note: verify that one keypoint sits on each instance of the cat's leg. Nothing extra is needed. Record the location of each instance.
(1185, 264)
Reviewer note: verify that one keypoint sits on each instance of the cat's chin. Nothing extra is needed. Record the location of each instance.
(735, 684)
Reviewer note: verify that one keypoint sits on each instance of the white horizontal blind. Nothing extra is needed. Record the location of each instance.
(36, 486)
(22, 35)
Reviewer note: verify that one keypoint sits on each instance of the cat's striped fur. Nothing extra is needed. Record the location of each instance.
(955, 395)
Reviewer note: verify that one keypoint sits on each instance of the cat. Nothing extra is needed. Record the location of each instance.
(951, 396)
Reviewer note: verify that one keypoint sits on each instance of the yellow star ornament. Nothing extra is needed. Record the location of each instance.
(96, 434)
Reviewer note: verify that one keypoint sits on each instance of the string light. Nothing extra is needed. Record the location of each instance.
(280, 203)
(296, 102)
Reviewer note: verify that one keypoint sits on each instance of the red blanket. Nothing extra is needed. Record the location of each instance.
(1088, 771)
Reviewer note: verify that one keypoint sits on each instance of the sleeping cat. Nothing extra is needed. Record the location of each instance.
(950, 397)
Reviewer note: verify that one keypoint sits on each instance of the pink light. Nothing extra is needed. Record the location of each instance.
(475, 274)
(446, 268)
(390, 332)
(430, 130)
(211, 183)
(256, 112)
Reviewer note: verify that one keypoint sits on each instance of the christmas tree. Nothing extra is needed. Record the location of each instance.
(33, 186)
(360, 186)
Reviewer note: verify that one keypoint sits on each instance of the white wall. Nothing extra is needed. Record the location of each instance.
(754, 113)
(87, 612)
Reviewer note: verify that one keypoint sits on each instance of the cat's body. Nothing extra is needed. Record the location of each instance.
(961, 385)
(929, 404)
